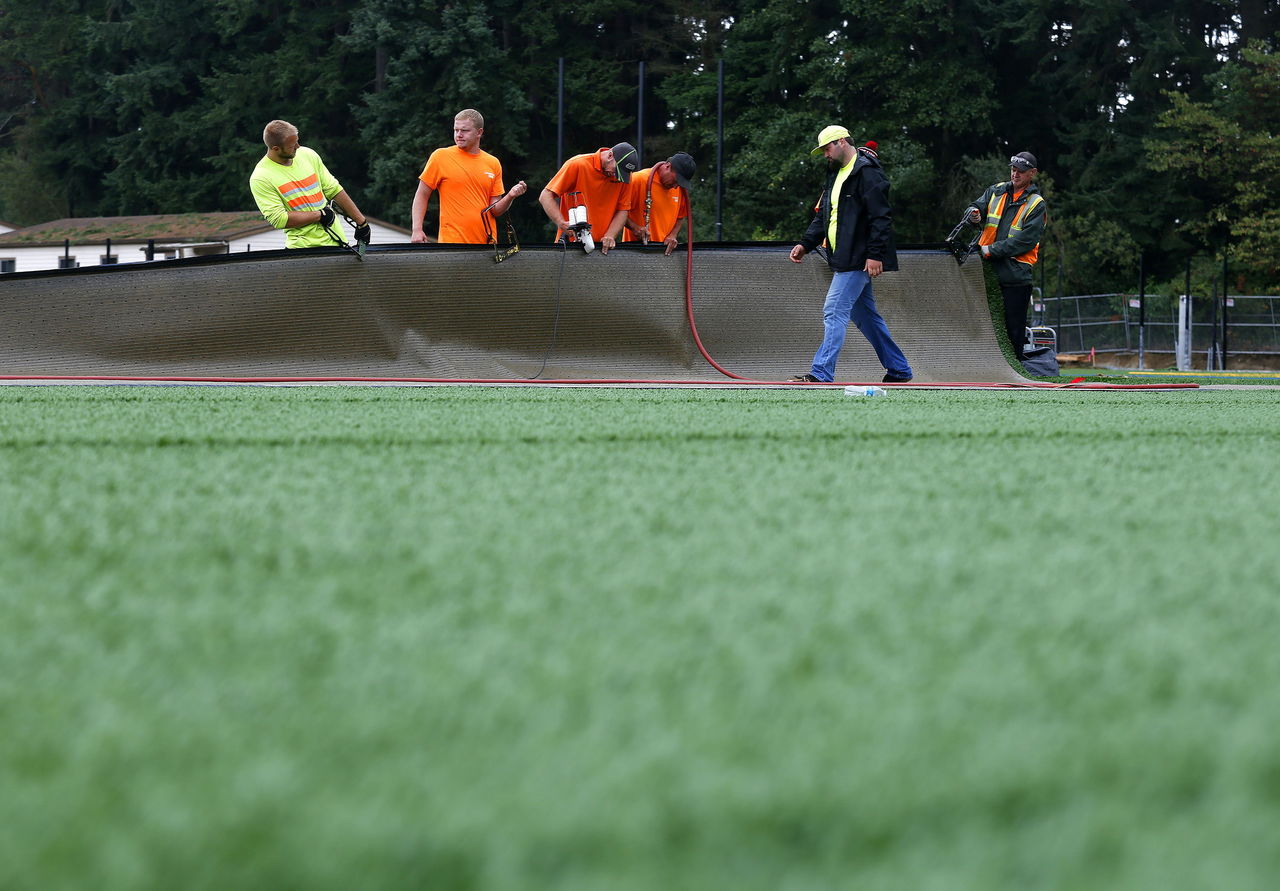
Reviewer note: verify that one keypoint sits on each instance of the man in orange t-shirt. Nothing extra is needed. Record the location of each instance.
(469, 181)
(600, 180)
(660, 201)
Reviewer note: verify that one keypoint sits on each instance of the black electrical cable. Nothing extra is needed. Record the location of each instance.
(555, 325)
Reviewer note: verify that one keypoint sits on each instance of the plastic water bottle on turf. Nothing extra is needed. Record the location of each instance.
(864, 391)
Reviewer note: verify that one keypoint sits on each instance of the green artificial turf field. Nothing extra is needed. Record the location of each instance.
(473, 638)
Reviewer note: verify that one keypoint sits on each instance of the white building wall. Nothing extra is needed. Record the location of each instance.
(273, 239)
(30, 259)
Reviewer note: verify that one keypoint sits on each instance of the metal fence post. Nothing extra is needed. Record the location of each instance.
(1183, 343)
(560, 113)
(1142, 308)
(1225, 304)
(720, 150)
(640, 118)
(1213, 358)
(1062, 293)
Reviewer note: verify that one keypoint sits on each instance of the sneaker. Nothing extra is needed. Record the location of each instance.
(803, 379)
(892, 378)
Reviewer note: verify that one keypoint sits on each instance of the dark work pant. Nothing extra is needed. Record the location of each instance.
(1016, 301)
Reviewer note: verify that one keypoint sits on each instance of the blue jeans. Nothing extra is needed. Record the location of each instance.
(850, 297)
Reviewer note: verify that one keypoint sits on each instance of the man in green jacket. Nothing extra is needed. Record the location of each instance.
(1012, 215)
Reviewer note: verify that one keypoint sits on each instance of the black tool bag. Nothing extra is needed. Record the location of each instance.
(1040, 362)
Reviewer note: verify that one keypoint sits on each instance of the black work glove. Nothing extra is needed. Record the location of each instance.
(326, 216)
(363, 235)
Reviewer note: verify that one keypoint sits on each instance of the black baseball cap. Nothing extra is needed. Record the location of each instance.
(627, 159)
(1024, 161)
(684, 168)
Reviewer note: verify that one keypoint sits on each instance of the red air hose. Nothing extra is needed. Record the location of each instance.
(688, 296)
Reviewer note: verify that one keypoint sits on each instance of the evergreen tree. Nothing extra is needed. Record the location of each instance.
(1225, 154)
(52, 127)
(137, 106)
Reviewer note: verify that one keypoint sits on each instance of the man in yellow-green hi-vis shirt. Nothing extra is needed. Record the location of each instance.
(292, 188)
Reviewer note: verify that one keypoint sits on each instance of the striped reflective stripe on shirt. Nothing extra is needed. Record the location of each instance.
(303, 194)
(995, 210)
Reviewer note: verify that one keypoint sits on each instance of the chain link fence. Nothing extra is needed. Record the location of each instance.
(1239, 327)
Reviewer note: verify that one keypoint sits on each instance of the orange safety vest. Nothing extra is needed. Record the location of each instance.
(995, 210)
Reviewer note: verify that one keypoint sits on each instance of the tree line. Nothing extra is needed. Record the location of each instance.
(1154, 121)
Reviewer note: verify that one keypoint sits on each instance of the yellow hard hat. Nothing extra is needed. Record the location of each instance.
(829, 135)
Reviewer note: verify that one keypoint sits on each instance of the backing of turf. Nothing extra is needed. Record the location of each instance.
(451, 313)
(513, 638)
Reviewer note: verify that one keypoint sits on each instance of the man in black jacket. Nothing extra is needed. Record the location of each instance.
(854, 218)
